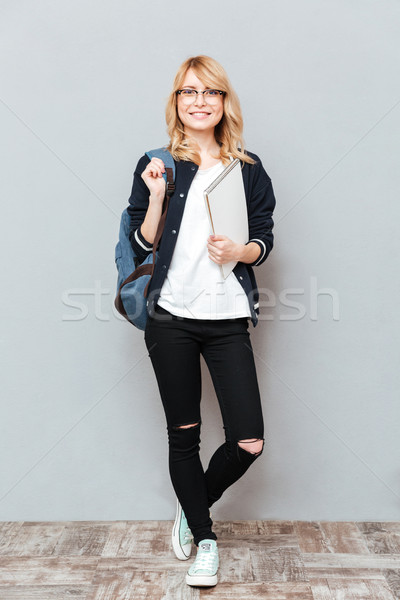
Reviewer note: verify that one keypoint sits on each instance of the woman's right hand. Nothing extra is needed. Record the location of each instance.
(153, 178)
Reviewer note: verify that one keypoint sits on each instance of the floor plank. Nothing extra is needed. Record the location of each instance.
(236, 565)
(266, 591)
(45, 592)
(176, 588)
(277, 564)
(23, 570)
(381, 538)
(359, 590)
(82, 538)
(140, 585)
(320, 588)
(393, 579)
(351, 561)
(8, 531)
(146, 538)
(35, 539)
(331, 537)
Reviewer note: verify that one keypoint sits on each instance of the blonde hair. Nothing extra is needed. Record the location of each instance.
(228, 132)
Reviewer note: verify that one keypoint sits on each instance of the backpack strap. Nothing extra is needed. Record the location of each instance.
(169, 174)
(169, 177)
(166, 157)
(169, 190)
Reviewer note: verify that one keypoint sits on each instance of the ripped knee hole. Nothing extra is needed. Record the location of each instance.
(254, 446)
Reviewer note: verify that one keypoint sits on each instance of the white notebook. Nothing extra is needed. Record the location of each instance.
(226, 207)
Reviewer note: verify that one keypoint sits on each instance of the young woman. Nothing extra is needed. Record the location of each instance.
(192, 310)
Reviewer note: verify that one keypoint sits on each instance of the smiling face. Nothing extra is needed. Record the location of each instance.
(198, 116)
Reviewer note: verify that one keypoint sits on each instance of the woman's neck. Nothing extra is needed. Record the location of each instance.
(207, 144)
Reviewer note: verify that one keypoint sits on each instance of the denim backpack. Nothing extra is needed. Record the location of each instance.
(133, 282)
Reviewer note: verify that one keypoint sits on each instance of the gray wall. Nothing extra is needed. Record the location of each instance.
(83, 87)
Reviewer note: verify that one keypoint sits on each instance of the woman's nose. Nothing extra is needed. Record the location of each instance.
(199, 100)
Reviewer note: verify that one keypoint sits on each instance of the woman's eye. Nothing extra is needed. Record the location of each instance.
(212, 92)
(188, 92)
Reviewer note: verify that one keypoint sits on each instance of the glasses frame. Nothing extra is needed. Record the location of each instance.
(179, 93)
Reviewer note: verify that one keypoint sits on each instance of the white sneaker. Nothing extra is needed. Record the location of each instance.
(203, 571)
(182, 538)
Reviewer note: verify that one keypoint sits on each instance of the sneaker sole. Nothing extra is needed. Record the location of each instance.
(201, 580)
(176, 545)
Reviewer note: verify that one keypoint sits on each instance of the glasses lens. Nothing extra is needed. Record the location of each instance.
(212, 96)
(188, 96)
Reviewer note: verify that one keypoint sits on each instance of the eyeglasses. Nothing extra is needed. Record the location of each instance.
(189, 95)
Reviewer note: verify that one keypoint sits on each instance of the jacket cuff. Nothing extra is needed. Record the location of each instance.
(262, 254)
(142, 241)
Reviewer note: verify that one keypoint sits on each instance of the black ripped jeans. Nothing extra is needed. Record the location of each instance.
(174, 345)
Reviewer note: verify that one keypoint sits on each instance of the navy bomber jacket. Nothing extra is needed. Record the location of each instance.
(260, 207)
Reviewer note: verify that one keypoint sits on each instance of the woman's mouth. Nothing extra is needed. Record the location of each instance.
(199, 115)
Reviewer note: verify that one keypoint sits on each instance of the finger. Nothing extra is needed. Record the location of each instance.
(154, 171)
(155, 159)
(217, 260)
(210, 249)
(217, 254)
(213, 242)
(216, 247)
(158, 162)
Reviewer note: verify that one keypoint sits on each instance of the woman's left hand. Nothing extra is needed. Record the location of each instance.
(222, 249)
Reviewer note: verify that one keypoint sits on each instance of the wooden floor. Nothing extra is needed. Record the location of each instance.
(127, 560)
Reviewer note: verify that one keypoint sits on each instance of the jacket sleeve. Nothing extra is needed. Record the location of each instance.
(261, 208)
(137, 209)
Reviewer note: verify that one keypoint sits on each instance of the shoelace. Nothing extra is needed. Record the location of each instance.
(204, 560)
(187, 536)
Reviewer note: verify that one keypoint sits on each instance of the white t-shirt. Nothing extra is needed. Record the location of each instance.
(194, 286)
